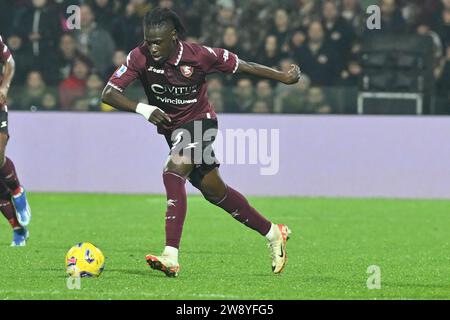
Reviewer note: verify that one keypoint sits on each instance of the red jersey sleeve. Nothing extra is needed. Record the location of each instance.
(126, 74)
(5, 55)
(218, 60)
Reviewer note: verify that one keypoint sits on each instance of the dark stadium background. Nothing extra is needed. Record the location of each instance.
(361, 164)
(59, 69)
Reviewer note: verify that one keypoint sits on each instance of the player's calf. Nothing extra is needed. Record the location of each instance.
(10, 180)
(239, 208)
(20, 234)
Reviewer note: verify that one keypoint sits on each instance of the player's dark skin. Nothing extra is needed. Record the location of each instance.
(162, 43)
(8, 74)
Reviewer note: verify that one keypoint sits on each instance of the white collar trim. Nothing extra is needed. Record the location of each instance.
(180, 54)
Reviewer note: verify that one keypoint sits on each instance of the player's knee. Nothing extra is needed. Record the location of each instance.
(213, 195)
(178, 165)
(211, 198)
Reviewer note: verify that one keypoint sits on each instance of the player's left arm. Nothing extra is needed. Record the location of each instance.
(290, 77)
(8, 74)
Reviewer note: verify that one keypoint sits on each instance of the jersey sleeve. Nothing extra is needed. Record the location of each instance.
(126, 74)
(218, 60)
(5, 54)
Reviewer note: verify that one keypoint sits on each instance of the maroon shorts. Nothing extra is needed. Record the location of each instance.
(194, 140)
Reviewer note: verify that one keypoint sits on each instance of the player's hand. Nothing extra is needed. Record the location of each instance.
(153, 114)
(159, 117)
(293, 75)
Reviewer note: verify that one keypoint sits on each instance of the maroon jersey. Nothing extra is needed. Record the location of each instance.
(5, 55)
(178, 87)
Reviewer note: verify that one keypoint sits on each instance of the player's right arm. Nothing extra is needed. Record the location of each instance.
(119, 81)
(290, 77)
(118, 100)
(8, 71)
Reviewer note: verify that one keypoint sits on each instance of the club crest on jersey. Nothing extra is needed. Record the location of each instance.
(187, 71)
(120, 71)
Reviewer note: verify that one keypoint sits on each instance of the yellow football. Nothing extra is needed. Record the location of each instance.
(84, 260)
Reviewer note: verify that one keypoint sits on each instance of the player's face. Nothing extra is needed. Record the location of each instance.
(161, 42)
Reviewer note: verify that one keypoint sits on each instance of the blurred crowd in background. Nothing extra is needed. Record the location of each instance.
(62, 69)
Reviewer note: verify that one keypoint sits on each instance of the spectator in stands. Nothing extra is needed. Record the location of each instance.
(353, 13)
(260, 106)
(91, 101)
(305, 12)
(40, 29)
(443, 23)
(23, 59)
(443, 75)
(281, 29)
(356, 48)
(317, 57)
(66, 55)
(297, 39)
(36, 95)
(5, 18)
(254, 19)
(217, 101)
(425, 30)
(392, 20)
(337, 31)
(74, 87)
(119, 58)
(141, 7)
(214, 84)
(215, 24)
(94, 42)
(316, 102)
(104, 12)
(50, 101)
(422, 11)
(270, 54)
(293, 99)
(264, 92)
(351, 74)
(230, 41)
(243, 96)
(192, 13)
(221, 93)
(127, 28)
(63, 4)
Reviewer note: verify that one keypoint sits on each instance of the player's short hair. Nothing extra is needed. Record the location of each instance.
(158, 16)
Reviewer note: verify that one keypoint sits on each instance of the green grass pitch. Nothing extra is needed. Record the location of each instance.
(333, 243)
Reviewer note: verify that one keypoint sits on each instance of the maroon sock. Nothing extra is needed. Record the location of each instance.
(7, 208)
(176, 207)
(9, 176)
(235, 204)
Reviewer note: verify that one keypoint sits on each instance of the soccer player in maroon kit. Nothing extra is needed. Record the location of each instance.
(173, 74)
(13, 201)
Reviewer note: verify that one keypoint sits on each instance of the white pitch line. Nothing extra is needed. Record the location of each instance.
(116, 294)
